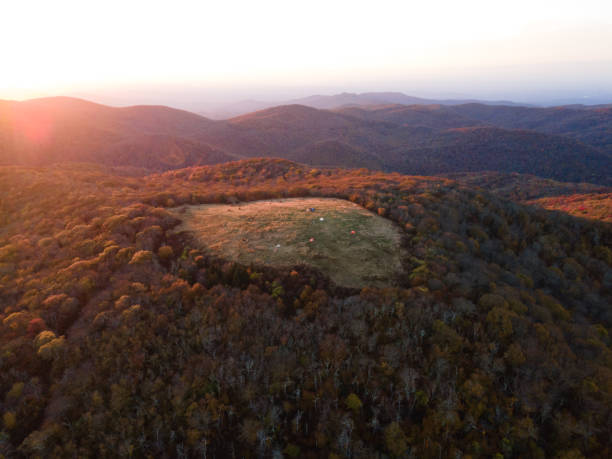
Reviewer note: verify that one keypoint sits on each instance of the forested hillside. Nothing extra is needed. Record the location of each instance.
(60, 129)
(522, 187)
(121, 337)
(592, 126)
(494, 149)
(582, 200)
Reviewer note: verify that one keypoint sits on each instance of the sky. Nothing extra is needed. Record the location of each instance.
(198, 52)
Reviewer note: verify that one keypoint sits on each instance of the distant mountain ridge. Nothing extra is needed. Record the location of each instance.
(561, 143)
(377, 98)
(342, 100)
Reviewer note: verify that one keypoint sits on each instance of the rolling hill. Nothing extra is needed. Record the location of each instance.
(430, 139)
(416, 148)
(431, 116)
(523, 187)
(335, 153)
(59, 129)
(495, 149)
(582, 200)
(591, 126)
(160, 152)
(283, 130)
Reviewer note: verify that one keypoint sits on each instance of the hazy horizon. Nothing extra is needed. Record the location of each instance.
(209, 101)
(201, 57)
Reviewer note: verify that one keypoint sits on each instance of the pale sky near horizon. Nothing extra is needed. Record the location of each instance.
(76, 46)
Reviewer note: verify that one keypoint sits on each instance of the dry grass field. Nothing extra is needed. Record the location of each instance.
(351, 245)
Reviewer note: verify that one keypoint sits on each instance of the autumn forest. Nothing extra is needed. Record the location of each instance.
(121, 336)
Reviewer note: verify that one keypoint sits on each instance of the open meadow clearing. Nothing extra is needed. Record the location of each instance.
(351, 245)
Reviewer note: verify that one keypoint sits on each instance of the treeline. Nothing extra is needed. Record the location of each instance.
(119, 337)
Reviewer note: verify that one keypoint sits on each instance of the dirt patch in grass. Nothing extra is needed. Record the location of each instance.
(351, 245)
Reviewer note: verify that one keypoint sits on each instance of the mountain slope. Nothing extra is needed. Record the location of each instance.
(296, 132)
(335, 153)
(522, 187)
(494, 149)
(592, 126)
(431, 116)
(291, 131)
(582, 200)
(44, 131)
(161, 152)
(120, 335)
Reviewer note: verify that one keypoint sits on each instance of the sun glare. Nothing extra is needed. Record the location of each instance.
(36, 128)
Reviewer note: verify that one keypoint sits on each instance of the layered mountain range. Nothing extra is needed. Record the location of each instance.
(344, 99)
(571, 144)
